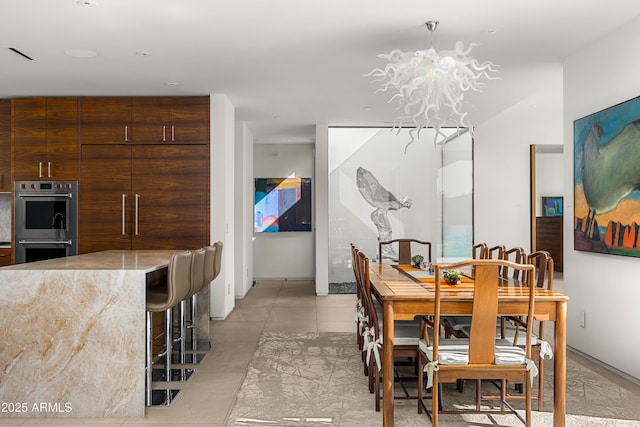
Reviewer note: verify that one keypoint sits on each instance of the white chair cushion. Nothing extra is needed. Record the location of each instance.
(456, 352)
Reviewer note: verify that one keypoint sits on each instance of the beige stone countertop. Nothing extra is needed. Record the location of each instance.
(144, 260)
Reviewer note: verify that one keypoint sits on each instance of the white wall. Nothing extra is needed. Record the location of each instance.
(501, 158)
(222, 202)
(288, 255)
(244, 209)
(605, 287)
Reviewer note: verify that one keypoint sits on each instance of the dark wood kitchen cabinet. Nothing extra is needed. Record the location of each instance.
(143, 197)
(170, 120)
(5, 145)
(105, 120)
(145, 120)
(45, 140)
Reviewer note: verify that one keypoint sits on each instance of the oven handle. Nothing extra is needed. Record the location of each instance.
(67, 195)
(45, 242)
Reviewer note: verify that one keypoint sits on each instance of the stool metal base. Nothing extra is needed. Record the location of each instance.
(177, 375)
(188, 358)
(161, 397)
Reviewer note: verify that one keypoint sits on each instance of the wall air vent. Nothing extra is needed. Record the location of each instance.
(17, 52)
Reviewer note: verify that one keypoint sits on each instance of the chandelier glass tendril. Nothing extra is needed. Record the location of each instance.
(430, 85)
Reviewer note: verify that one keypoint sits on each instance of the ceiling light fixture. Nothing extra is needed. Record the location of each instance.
(431, 85)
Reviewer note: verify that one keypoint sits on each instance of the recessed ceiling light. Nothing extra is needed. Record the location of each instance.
(172, 84)
(143, 53)
(90, 3)
(81, 53)
(492, 31)
(367, 108)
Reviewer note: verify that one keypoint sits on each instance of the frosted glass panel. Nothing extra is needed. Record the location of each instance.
(378, 191)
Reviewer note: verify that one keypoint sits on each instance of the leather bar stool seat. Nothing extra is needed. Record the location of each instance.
(162, 299)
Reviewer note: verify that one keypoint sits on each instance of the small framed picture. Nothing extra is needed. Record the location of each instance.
(552, 206)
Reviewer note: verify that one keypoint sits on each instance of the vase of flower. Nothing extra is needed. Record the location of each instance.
(417, 260)
(452, 276)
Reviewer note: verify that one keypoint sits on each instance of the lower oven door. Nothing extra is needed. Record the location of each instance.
(30, 250)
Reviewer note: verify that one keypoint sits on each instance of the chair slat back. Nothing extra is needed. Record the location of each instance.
(404, 249)
(543, 268)
(480, 251)
(516, 255)
(485, 311)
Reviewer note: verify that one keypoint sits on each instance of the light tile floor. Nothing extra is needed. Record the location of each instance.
(208, 397)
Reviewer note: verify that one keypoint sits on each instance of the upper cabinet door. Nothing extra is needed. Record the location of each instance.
(45, 138)
(29, 138)
(63, 148)
(5, 145)
(106, 121)
(190, 120)
(150, 118)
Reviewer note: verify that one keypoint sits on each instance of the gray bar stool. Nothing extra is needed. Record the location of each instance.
(209, 261)
(197, 283)
(162, 300)
(217, 264)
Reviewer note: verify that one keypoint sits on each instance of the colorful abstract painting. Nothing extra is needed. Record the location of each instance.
(607, 179)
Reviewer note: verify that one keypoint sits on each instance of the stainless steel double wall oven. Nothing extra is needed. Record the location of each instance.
(46, 220)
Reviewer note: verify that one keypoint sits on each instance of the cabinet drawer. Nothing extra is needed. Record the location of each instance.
(5, 256)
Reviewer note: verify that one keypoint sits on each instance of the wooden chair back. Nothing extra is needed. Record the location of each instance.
(496, 252)
(484, 315)
(480, 251)
(516, 255)
(543, 268)
(404, 249)
(367, 299)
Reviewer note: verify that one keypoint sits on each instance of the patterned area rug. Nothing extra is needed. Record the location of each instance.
(316, 379)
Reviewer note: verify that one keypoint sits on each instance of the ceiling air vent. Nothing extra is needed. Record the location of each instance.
(17, 52)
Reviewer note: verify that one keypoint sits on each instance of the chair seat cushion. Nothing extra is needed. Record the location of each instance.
(456, 352)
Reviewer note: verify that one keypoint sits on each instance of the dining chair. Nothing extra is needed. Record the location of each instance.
(406, 337)
(404, 249)
(511, 328)
(482, 356)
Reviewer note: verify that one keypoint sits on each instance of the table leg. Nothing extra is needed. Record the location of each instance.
(387, 364)
(560, 365)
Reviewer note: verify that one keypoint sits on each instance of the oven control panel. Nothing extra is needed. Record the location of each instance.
(47, 186)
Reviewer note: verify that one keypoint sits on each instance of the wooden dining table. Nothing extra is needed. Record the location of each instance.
(403, 297)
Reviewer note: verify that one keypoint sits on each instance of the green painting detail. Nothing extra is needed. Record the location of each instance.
(606, 180)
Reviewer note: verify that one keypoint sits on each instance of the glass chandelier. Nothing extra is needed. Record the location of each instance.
(430, 85)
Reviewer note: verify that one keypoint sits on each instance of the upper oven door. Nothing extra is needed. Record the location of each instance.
(44, 215)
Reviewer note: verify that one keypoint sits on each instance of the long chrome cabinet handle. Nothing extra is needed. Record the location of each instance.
(126, 133)
(164, 133)
(137, 206)
(173, 133)
(49, 170)
(40, 170)
(124, 209)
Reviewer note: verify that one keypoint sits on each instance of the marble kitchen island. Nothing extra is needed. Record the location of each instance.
(73, 334)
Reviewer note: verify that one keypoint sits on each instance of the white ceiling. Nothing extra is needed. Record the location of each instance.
(284, 64)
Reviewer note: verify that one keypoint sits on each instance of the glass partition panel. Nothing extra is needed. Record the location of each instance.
(377, 191)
